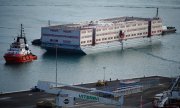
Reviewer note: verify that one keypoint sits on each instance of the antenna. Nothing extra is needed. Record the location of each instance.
(49, 23)
(56, 65)
(157, 12)
(21, 30)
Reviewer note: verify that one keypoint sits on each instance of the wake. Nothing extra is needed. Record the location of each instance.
(155, 56)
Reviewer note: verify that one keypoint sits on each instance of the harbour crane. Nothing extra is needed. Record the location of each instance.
(170, 98)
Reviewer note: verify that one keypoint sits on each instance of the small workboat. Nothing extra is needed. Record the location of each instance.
(19, 50)
(168, 30)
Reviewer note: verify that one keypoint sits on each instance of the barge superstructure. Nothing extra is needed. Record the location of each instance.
(103, 34)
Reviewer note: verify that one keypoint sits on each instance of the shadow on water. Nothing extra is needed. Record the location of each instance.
(75, 57)
(61, 54)
(16, 65)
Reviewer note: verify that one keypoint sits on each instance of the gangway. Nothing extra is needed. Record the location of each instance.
(66, 94)
(170, 98)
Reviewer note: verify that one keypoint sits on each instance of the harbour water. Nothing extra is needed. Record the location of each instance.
(162, 58)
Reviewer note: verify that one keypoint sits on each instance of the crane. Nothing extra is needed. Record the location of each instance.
(170, 97)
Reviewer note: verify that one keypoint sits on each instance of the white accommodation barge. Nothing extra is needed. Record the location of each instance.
(101, 35)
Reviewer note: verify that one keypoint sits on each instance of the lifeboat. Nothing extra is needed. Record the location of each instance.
(19, 50)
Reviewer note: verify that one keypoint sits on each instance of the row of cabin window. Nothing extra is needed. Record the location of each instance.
(138, 29)
(156, 31)
(159, 26)
(109, 38)
(110, 33)
(139, 24)
(136, 34)
(142, 33)
(88, 36)
(104, 29)
(159, 30)
(159, 21)
(53, 40)
(88, 41)
(54, 30)
(85, 31)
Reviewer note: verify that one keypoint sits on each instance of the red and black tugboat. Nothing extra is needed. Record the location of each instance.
(19, 51)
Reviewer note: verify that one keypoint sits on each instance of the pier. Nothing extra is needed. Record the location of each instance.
(151, 86)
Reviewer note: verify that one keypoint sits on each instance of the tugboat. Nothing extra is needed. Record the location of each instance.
(19, 51)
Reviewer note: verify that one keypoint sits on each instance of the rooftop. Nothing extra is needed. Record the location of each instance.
(101, 22)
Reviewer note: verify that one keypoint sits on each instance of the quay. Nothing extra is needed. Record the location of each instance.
(151, 86)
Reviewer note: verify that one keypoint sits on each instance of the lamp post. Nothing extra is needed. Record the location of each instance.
(56, 65)
(104, 68)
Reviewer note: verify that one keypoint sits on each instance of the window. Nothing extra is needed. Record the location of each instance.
(98, 30)
(83, 31)
(116, 27)
(154, 22)
(146, 23)
(89, 31)
(159, 21)
(104, 29)
(110, 28)
(83, 42)
(159, 30)
(122, 26)
(53, 40)
(54, 30)
(139, 24)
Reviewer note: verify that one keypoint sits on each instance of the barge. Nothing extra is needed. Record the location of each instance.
(101, 35)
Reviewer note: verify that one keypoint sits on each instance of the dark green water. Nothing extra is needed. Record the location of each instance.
(159, 59)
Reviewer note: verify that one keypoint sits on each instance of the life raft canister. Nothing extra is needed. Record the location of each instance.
(121, 35)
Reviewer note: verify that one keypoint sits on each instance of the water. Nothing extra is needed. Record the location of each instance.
(160, 59)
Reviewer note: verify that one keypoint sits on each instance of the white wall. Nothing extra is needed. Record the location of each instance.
(65, 37)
